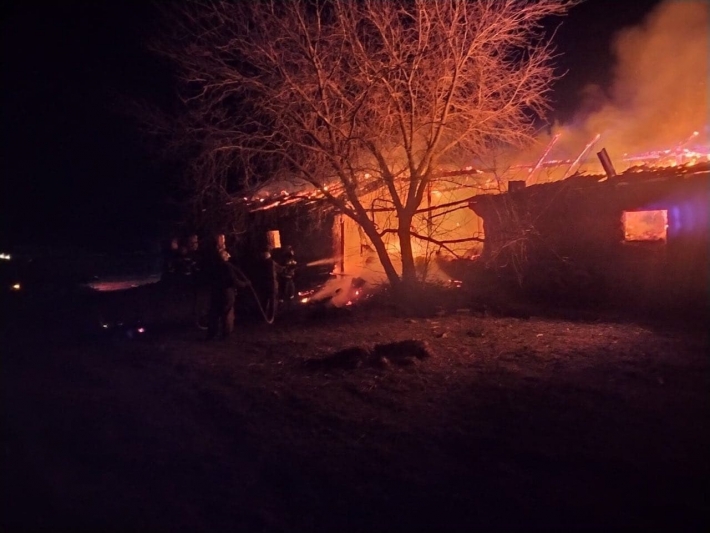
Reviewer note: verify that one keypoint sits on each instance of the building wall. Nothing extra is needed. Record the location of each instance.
(575, 243)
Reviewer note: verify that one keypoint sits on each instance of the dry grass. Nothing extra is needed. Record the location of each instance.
(509, 423)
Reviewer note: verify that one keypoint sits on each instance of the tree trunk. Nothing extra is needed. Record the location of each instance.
(384, 257)
(381, 250)
(409, 273)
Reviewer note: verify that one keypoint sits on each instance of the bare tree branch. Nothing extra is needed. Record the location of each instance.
(357, 98)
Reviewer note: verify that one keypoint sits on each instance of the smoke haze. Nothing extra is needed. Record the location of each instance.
(659, 95)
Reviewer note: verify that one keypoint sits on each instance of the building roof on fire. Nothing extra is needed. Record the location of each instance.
(295, 191)
(660, 180)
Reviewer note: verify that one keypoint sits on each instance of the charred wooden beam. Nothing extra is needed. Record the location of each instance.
(606, 163)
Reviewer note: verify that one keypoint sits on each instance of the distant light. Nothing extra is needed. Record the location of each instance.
(5, 257)
(16, 287)
(357, 293)
(141, 330)
(304, 300)
(105, 326)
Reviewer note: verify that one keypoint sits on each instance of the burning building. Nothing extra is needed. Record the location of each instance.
(442, 227)
(640, 237)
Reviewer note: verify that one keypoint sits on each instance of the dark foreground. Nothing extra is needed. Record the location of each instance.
(512, 424)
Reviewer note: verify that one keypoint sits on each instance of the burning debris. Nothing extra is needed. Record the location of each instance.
(560, 168)
(339, 291)
(671, 157)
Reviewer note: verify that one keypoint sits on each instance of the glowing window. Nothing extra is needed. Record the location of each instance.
(645, 225)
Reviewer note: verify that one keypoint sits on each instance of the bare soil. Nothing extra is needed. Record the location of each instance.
(509, 424)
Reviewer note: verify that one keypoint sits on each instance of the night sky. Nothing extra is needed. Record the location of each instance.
(75, 168)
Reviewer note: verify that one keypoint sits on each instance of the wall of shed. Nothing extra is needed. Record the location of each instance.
(574, 235)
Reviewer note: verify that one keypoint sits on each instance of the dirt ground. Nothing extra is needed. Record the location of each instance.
(511, 424)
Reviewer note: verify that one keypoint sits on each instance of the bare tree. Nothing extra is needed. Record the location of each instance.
(358, 98)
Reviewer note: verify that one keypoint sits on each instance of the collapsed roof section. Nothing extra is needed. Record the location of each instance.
(293, 190)
(548, 167)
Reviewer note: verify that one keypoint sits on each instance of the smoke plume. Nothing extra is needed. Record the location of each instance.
(659, 95)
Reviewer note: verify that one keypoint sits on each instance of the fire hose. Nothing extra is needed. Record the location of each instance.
(268, 314)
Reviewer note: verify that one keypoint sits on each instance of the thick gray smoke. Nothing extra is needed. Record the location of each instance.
(659, 95)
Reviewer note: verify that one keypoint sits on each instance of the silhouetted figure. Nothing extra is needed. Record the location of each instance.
(224, 280)
(171, 257)
(286, 268)
(202, 257)
(193, 256)
(266, 282)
